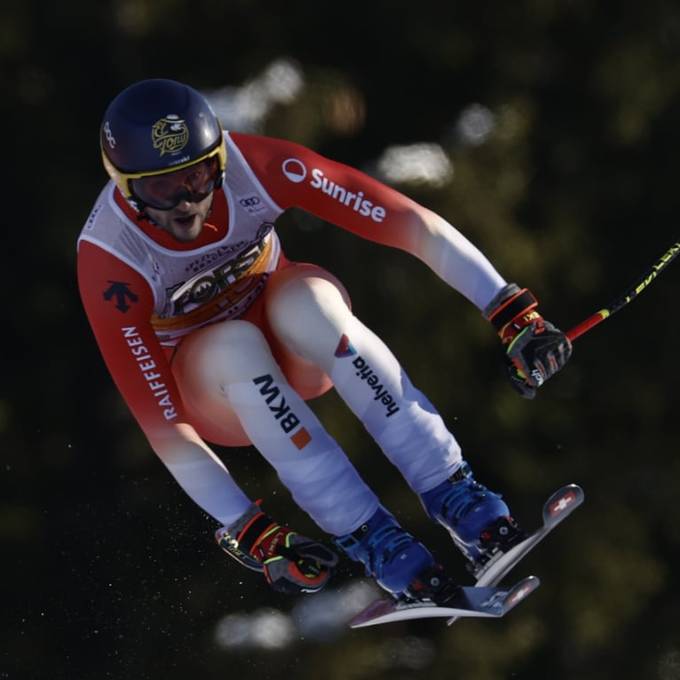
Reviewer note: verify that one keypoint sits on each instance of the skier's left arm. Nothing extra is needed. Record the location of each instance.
(298, 177)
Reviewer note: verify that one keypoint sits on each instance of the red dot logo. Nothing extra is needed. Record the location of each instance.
(294, 170)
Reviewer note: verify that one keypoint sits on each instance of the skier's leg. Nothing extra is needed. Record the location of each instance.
(308, 313)
(306, 310)
(228, 368)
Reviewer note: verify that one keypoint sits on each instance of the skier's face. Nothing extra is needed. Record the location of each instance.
(185, 221)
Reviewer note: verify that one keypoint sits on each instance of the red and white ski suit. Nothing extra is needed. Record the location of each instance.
(145, 293)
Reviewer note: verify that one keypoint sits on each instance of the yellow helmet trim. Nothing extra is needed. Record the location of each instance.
(123, 179)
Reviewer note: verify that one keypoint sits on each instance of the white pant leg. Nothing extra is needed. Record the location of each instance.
(310, 316)
(231, 366)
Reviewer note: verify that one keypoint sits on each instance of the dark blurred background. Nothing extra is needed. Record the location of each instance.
(548, 133)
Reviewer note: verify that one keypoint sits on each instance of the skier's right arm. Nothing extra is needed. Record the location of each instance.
(119, 303)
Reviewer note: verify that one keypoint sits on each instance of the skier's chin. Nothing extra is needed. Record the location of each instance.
(185, 222)
(187, 227)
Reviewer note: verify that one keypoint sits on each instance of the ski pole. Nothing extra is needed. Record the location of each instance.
(630, 295)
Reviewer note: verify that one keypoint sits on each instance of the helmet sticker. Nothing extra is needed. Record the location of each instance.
(169, 134)
(109, 135)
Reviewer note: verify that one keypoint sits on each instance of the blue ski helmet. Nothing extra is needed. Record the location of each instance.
(155, 127)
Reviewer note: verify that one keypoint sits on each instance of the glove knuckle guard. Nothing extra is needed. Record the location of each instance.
(291, 563)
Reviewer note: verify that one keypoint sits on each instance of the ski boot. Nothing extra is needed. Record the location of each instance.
(478, 520)
(399, 563)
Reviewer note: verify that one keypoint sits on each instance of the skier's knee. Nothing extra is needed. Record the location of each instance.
(230, 350)
(305, 310)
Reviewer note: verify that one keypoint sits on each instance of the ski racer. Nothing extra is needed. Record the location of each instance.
(212, 335)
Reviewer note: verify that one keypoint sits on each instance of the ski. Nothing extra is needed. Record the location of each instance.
(485, 599)
(555, 510)
(467, 601)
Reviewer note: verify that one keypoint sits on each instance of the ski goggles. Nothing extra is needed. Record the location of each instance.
(166, 189)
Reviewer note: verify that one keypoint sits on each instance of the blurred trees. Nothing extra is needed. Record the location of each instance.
(568, 183)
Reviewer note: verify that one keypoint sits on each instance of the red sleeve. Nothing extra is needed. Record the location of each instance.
(119, 302)
(295, 176)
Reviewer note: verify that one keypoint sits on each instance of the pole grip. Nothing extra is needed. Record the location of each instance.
(578, 330)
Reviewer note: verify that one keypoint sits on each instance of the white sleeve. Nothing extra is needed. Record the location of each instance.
(457, 261)
(202, 475)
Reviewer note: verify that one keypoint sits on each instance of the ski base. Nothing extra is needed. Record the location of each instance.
(468, 601)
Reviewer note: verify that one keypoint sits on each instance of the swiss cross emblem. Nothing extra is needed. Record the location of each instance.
(562, 504)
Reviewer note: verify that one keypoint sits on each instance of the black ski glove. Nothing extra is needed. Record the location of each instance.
(291, 563)
(534, 349)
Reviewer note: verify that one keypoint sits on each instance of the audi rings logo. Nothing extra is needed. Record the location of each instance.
(294, 170)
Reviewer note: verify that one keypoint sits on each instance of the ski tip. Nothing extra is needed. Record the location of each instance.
(519, 592)
(562, 503)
